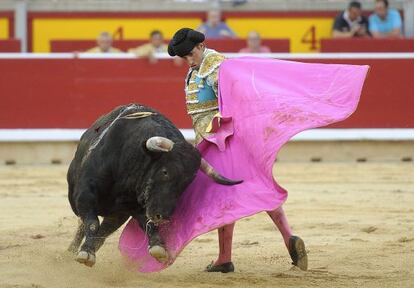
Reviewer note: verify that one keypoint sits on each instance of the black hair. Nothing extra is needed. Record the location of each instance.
(354, 4)
(385, 2)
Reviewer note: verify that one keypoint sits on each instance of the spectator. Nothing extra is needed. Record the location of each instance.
(254, 44)
(214, 28)
(104, 44)
(385, 22)
(351, 23)
(155, 45)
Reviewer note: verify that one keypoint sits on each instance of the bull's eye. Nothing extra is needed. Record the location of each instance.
(164, 172)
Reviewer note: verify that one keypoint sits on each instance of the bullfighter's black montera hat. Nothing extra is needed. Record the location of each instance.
(183, 41)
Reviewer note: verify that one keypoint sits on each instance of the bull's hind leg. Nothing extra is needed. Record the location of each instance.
(77, 240)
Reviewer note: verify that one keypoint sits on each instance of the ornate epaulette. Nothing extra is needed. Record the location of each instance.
(210, 62)
(192, 88)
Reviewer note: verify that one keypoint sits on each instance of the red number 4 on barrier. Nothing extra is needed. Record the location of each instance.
(119, 33)
(310, 38)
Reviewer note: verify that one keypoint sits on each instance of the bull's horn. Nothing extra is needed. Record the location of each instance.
(159, 144)
(213, 174)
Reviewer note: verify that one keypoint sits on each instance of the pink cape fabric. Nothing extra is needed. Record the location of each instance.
(264, 102)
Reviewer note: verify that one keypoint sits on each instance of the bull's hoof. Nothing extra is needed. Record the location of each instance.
(159, 253)
(86, 258)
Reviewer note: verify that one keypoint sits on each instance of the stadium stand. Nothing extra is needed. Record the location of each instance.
(180, 5)
(286, 26)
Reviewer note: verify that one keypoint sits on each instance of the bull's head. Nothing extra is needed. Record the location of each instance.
(176, 166)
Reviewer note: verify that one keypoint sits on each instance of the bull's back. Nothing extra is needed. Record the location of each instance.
(92, 134)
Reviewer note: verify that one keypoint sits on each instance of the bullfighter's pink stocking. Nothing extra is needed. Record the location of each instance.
(225, 235)
(279, 218)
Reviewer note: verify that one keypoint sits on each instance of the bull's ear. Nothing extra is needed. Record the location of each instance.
(159, 144)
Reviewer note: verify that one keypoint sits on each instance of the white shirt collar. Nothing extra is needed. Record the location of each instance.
(349, 21)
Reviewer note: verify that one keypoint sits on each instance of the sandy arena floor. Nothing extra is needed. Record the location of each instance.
(357, 220)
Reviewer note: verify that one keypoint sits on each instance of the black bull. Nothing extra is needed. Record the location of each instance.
(132, 162)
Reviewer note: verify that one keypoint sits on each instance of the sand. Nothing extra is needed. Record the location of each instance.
(357, 220)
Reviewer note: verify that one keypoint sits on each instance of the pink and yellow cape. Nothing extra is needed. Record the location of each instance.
(263, 103)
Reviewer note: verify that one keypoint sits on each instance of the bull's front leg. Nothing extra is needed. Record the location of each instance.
(108, 226)
(156, 246)
(87, 207)
(86, 255)
(77, 240)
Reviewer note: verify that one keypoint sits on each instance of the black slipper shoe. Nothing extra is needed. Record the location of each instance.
(223, 268)
(297, 252)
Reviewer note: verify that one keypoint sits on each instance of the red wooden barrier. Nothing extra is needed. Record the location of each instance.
(10, 45)
(234, 45)
(367, 45)
(83, 45)
(72, 93)
(223, 45)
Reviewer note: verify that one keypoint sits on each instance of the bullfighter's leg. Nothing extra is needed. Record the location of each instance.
(156, 246)
(223, 263)
(278, 217)
(294, 244)
(77, 240)
(108, 226)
